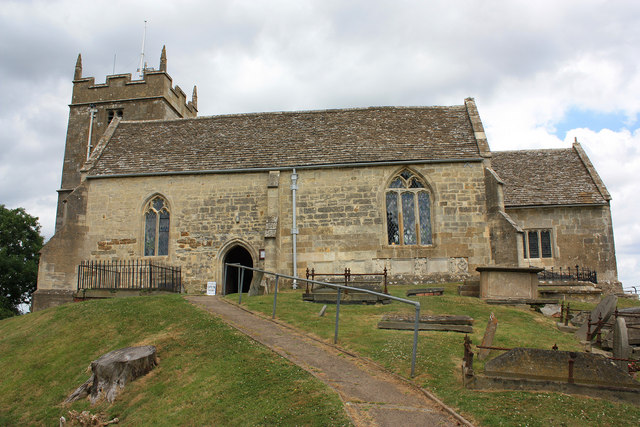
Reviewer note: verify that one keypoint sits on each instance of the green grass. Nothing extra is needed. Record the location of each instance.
(440, 355)
(208, 373)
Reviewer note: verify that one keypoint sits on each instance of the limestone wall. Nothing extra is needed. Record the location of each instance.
(580, 236)
(341, 221)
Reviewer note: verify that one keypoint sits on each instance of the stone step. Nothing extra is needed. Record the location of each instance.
(470, 288)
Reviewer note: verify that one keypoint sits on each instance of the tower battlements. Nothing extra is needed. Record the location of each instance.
(93, 106)
(155, 84)
(121, 87)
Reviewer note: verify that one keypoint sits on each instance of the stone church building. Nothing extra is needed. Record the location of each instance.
(415, 190)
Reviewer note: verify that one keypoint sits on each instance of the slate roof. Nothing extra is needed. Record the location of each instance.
(285, 139)
(547, 177)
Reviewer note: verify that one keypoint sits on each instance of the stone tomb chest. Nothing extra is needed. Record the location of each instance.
(499, 282)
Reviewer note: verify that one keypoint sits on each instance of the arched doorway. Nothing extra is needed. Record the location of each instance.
(237, 255)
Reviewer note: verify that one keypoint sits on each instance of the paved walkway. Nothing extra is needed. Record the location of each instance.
(372, 396)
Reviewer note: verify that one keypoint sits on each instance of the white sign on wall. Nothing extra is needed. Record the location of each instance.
(211, 288)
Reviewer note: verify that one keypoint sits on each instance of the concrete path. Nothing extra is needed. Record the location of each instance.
(372, 396)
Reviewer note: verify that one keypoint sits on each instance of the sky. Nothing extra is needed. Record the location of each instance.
(542, 73)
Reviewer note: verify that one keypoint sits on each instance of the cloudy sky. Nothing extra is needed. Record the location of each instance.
(542, 73)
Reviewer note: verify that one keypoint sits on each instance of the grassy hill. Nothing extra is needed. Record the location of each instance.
(208, 374)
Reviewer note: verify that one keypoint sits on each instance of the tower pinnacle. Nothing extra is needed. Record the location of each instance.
(163, 59)
(194, 97)
(77, 74)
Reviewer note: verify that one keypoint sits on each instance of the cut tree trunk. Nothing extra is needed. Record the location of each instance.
(113, 371)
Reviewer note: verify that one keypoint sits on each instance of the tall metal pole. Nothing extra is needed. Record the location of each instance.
(240, 283)
(415, 342)
(275, 297)
(294, 226)
(335, 334)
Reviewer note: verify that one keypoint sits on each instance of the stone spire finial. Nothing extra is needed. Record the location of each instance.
(77, 74)
(194, 97)
(163, 59)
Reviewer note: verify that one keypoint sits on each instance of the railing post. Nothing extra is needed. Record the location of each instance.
(224, 279)
(335, 335)
(415, 341)
(240, 283)
(275, 297)
(385, 281)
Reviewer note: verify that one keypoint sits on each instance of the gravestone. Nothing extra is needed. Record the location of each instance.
(487, 340)
(605, 308)
(323, 310)
(621, 348)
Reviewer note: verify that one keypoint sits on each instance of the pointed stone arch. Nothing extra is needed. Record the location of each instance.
(408, 204)
(241, 252)
(156, 225)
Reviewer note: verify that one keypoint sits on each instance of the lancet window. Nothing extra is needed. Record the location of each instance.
(156, 227)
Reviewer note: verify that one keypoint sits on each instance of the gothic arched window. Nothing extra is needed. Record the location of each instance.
(408, 211)
(156, 227)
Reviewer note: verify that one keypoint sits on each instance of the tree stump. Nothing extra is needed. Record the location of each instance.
(112, 371)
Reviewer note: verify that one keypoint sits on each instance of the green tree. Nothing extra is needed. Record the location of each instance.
(20, 244)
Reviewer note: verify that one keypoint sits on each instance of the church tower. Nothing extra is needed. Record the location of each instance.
(94, 106)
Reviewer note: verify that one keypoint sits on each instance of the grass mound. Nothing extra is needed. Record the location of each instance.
(208, 374)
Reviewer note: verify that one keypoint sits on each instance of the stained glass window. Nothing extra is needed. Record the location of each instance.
(156, 228)
(408, 211)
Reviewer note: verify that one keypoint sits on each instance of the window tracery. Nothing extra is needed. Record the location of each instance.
(408, 206)
(156, 227)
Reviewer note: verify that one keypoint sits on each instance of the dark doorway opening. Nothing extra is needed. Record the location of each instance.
(237, 255)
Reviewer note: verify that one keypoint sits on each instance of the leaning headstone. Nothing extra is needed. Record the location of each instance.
(487, 340)
(323, 310)
(604, 309)
(621, 348)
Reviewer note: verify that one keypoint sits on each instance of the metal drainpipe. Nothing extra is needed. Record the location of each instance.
(294, 228)
(93, 110)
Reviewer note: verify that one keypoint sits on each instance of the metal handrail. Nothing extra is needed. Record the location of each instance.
(416, 304)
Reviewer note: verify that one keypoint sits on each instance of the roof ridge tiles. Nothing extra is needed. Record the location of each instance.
(292, 112)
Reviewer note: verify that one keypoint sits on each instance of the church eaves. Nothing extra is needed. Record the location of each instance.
(289, 139)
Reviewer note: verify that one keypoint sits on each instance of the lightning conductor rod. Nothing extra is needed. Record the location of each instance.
(141, 65)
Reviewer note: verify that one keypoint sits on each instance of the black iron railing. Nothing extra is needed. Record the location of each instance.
(311, 274)
(570, 273)
(129, 274)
